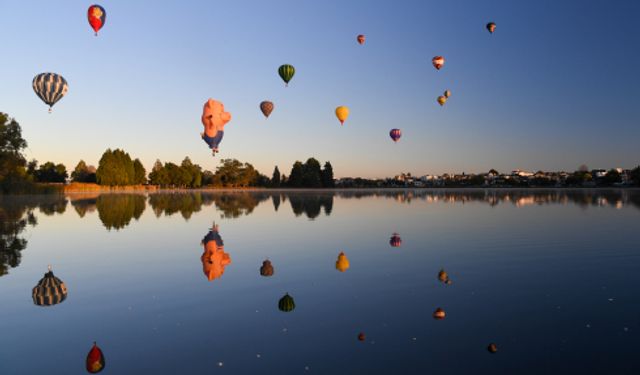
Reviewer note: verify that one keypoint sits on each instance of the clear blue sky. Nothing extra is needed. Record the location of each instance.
(556, 85)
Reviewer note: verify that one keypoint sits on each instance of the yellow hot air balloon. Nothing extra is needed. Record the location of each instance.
(442, 100)
(342, 264)
(342, 113)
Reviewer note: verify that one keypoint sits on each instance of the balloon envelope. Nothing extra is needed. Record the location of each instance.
(266, 107)
(438, 62)
(361, 38)
(447, 94)
(50, 87)
(342, 264)
(286, 303)
(442, 100)
(95, 360)
(342, 113)
(491, 26)
(286, 72)
(395, 134)
(96, 16)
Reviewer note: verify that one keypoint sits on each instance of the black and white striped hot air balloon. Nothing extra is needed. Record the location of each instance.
(50, 87)
(49, 291)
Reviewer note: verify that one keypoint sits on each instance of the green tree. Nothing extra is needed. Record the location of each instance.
(80, 172)
(295, 177)
(115, 169)
(12, 162)
(207, 178)
(158, 175)
(50, 172)
(327, 176)
(139, 173)
(612, 177)
(311, 174)
(192, 173)
(635, 175)
(275, 178)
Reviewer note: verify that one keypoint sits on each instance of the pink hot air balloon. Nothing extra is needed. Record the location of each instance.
(361, 39)
(438, 62)
(395, 134)
(395, 240)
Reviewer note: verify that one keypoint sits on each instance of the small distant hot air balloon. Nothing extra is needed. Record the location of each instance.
(266, 107)
(361, 39)
(266, 269)
(49, 291)
(342, 113)
(342, 264)
(286, 72)
(438, 62)
(50, 87)
(491, 26)
(361, 336)
(442, 100)
(492, 348)
(95, 360)
(286, 303)
(439, 314)
(395, 134)
(395, 240)
(447, 94)
(97, 16)
(443, 276)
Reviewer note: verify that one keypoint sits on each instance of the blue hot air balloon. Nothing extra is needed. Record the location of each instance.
(50, 87)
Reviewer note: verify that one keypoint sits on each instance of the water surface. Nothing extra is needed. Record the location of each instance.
(550, 276)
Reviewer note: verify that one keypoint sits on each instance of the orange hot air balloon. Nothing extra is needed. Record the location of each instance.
(438, 62)
(441, 100)
(361, 336)
(491, 26)
(361, 39)
(266, 269)
(342, 113)
(95, 360)
(492, 348)
(342, 264)
(214, 259)
(439, 314)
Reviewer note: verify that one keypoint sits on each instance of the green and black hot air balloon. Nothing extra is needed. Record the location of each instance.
(286, 72)
(286, 303)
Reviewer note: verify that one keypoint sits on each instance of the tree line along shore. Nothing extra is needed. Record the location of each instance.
(118, 171)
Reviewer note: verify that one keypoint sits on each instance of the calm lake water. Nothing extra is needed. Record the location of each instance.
(550, 276)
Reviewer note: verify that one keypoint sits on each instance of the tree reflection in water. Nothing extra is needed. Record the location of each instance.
(15, 214)
(117, 210)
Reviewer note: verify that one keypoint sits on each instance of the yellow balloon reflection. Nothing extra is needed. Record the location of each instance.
(214, 259)
(342, 264)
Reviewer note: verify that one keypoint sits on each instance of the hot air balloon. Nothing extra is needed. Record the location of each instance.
(395, 240)
(49, 291)
(361, 336)
(439, 314)
(438, 62)
(95, 360)
(492, 348)
(286, 303)
(443, 276)
(342, 113)
(491, 26)
(286, 72)
(96, 15)
(395, 134)
(50, 87)
(266, 269)
(442, 100)
(266, 107)
(361, 39)
(447, 94)
(342, 264)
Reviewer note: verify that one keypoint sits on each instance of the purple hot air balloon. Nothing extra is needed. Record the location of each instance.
(395, 134)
